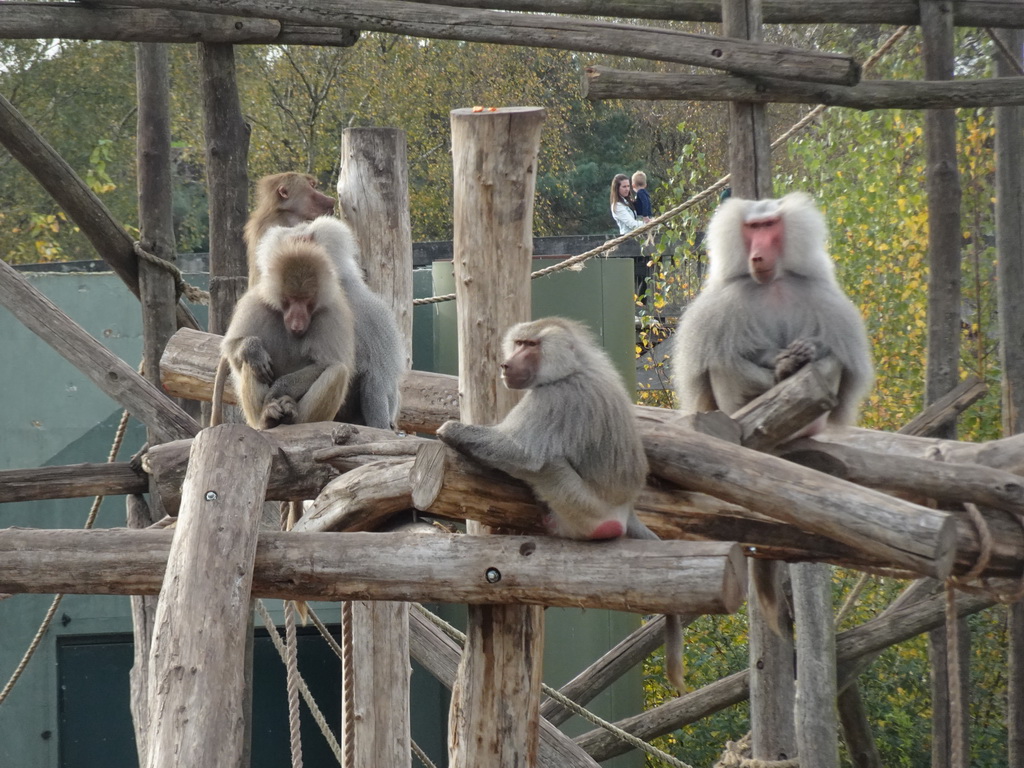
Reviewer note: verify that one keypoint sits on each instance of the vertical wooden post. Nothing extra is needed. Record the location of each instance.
(227, 191)
(156, 285)
(942, 373)
(227, 180)
(373, 196)
(1010, 239)
(943, 185)
(772, 687)
(157, 292)
(197, 669)
(1010, 280)
(495, 703)
(817, 722)
(749, 142)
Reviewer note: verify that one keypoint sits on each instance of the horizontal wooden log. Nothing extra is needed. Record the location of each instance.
(539, 31)
(788, 407)
(881, 632)
(295, 475)
(362, 499)
(910, 536)
(966, 13)
(606, 83)
(105, 369)
(912, 477)
(1006, 453)
(189, 364)
(622, 575)
(71, 481)
(74, 21)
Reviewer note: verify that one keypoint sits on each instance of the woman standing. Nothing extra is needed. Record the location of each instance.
(622, 206)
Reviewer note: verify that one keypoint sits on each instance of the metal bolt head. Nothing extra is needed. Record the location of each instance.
(493, 576)
(211, 495)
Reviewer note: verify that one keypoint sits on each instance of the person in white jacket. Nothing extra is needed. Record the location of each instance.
(622, 206)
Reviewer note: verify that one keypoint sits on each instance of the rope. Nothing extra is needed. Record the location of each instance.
(190, 292)
(44, 627)
(737, 755)
(422, 756)
(348, 738)
(292, 670)
(314, 710)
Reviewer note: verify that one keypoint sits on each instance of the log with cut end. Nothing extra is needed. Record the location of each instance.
(908, 535)
(623, 575)
(197, 677)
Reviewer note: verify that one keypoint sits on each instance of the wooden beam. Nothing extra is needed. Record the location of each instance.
(74, 21)
(622, 575)
(540, 31)
(967, 13)
(111, 241)
(111, 374)
(606, 83)
(71, 481)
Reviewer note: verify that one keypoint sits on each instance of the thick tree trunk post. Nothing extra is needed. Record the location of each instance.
(495, 703)
(227, 150)
(1010, 282)
(197, 672)
(771, 657)
(376, 716)
(373, 195)
(227, 190)
(817, 725)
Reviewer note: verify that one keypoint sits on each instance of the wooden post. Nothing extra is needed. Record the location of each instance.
(942, 373)
(227, 150)
(157, 291)
(943, 185)
(495, 703)
(817, 723)
(373, 196)
(1010, 282)
(772, 691)
(197, 673)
